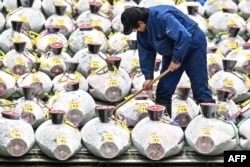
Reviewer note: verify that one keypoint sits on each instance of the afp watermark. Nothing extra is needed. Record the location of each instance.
(236, 158)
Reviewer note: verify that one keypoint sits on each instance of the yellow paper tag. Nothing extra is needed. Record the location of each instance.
(182, 108)
(158, 2)
(232, 45)
(222, 6)
(95, 23)
(15, 133)
(248, 57)
(112, 82)
(124, 40)
(61, 140)
(212, 60)
(231, 22)
(205, 132)
(28, 108)
(135, 62)
(94, 64)
(16, 39)
(24, 19)
(228, 83)
(142, 107)
(60, 22)
(108, 137)
(74, 105)
(35, 79)
(1, 79)
(223, 107)
(155, 139)
(52, 40)
(88, 40)
(56, 61)
(19, 61)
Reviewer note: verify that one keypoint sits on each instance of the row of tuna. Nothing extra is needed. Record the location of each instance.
(64, 69)
(155, 136)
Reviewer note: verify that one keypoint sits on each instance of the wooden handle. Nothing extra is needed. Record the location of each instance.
(141, 90)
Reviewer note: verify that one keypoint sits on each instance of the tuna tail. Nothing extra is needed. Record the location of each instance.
(167, 104)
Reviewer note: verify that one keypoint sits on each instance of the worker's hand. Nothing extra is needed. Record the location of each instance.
(147, 85)
(174, 66)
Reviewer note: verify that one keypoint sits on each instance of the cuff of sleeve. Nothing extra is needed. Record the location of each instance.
(176, 61)
(148, 77)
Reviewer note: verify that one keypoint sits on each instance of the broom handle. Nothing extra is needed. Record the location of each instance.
(141, 90)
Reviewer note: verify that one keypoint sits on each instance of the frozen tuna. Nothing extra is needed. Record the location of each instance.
(18, 58)
(14, 34)
(17, 136)
(70, 75)
(99, 20)
(228, 109)
(67, 24)
(184, 108)
(35, 78)
(208, 134)
(78, 104)
(157, 137)
(90, 59)
(32, 110)
(56, 138)
(48, 37)
(244, 134)
(227, 78)
(111, 83)
(86, 34)
(53, 63)
(105, 137)
(33, 18)
(135, 110)
(7, 82)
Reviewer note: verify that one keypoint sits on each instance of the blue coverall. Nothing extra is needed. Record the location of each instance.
(176, 37)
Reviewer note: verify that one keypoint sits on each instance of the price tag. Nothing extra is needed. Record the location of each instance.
(228, 83)
(16, 39)
(205, 132)
(61, 140)
(24, 19)
(94, 64)
(232, 45)
(60, 22)
(158, 2)
(56, 61)
(108, 137)
(231, 22)
(113, 82)
(135, 62)
(248, 57)
(88, 40)
(124, 40)
(155, 139)
(28, 108)
(52, 40)
(142, 107)
(182, 108)
(15, 133)
(74, 105)
(223, 107)
(221, 6)
(212, 60)
(95, 23)
(35, 79)
(19, 61)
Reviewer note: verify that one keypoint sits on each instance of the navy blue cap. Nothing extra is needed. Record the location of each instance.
(129, 19)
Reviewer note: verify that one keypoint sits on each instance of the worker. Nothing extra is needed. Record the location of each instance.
(168, 31)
